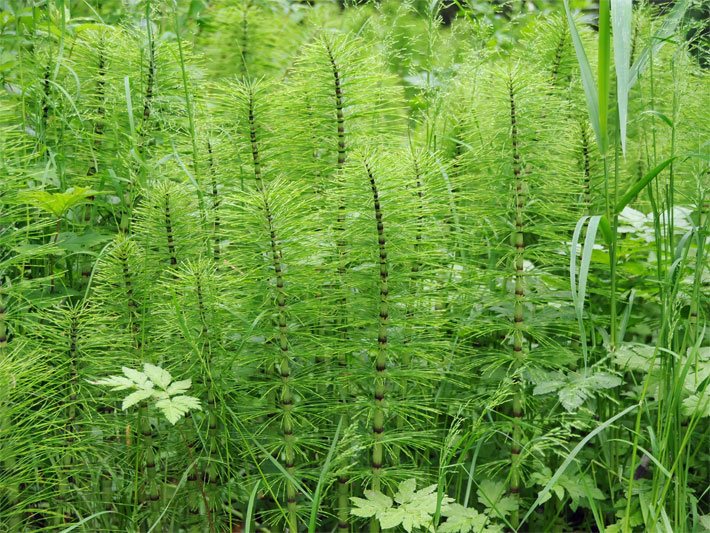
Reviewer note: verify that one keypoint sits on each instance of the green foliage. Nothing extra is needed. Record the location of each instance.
(384, 246)
(169, 395)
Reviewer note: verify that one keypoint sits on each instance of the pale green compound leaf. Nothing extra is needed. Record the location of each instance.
(547, 387)
(178, 387)
(374, 504)
(176, 407)
(406, 490)
(491, 495)
(135, 397)
(139, 378)
(390, 518)
(116, 382)
(362, 507)
(603, 380)
(157, 375)
(696, 404)
(187, 402)
(461, 519)
(572, 397)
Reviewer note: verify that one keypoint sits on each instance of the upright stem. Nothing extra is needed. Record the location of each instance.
(518, 315)
(343, 480)
(378, 417)
(284, 369)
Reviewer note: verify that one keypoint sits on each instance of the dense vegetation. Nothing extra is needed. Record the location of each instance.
(280, 266)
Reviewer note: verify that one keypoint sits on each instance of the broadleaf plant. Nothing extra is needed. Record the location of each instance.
(154, 383)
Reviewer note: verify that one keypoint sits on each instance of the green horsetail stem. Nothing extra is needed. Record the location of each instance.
(343, 480)
(216, 201)
(378, 417)
(284, 370)
(169, 230)
(518, 316)
(197, 478)
(253, 140)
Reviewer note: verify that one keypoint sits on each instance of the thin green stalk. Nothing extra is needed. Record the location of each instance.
(519, 299)
(378, 415)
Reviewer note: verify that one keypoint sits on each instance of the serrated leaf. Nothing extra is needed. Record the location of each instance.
(491, 495)
(572, 398)
(135, 397)
(187, 402)
(695, 404)
(374, 504)
(390, 518)
(461, 519)
(362, 507)
(176, 407)
(405, 492)
(547, 387)
(179, 386)
(139, 378)
(157, 375)
(116, 382)
(602, 380)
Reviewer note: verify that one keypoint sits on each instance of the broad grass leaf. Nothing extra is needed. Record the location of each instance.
(621, 15)
(588, 83)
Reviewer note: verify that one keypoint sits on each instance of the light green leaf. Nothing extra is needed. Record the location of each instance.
(176, 407)
(187, 402)
(139, 378)
(406, 491)
(461, 519)
(374, 504)
(390, 518)
(547, 387)
(157, 375)
(56, 203)
(491, 495)
(588, 83)
(572, 398)
(603, 380)
(116, 382)
(621, 15)
(135, 397)
(178, 387)
(697, 404)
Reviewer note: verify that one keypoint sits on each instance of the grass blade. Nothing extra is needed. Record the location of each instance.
(640, 184)
(588, 83)
(603, 70)
(568, 460)
(621, 13)
(321, 479)
(250, 507)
